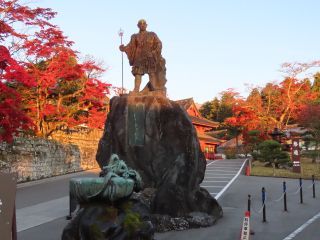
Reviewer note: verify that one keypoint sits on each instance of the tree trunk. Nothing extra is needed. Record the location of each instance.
(237, 144)
(318, 155)
(274, 169)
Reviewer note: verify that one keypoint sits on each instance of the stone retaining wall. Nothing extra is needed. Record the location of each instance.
(86, 140)
(36, 158)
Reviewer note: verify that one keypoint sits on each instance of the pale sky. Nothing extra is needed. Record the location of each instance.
(209, 45)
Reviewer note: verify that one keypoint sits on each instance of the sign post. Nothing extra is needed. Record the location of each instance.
(245, 231)
(295, 153)
(8, 228)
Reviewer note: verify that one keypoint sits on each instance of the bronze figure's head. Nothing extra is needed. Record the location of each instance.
(142, 24)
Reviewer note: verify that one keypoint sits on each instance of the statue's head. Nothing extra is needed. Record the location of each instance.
(142, 24)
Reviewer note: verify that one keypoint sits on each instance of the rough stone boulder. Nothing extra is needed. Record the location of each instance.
(126, 219)
(155, 136)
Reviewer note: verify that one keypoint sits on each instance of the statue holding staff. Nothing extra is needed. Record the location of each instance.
(144, 54)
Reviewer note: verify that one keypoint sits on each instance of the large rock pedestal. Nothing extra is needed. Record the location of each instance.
(123, 220)
(156, 137)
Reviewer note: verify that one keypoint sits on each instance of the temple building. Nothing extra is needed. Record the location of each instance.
(202, 125)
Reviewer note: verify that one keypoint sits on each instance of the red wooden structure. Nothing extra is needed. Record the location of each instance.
(208, 144)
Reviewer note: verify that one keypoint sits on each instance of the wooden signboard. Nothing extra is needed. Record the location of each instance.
(7, 205)
(296, 155)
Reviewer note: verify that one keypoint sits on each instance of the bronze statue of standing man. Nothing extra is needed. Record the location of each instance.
(144, 54)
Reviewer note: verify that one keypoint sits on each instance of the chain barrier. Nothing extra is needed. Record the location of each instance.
(276, 201)
(269, 203)
(279, 198)
(296, 192)
(246, 231)
(258, 211)
(311, 185)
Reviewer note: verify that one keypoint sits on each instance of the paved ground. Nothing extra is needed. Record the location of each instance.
(279, 224)
(219, 174)
(310, 232)
(43, 205)
(41, 208)
(42, 202)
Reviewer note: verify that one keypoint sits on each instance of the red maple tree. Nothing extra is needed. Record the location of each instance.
(67, 93)
(14, 14)
(12, 116)
(309, 117)
(51, 86)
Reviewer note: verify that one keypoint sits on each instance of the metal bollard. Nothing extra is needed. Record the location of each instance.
(285, 196)
(69, 217)
(301, 195)
(264, 205)
(73, 203)
(14, 225)
(249, 204)
(313, 187)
